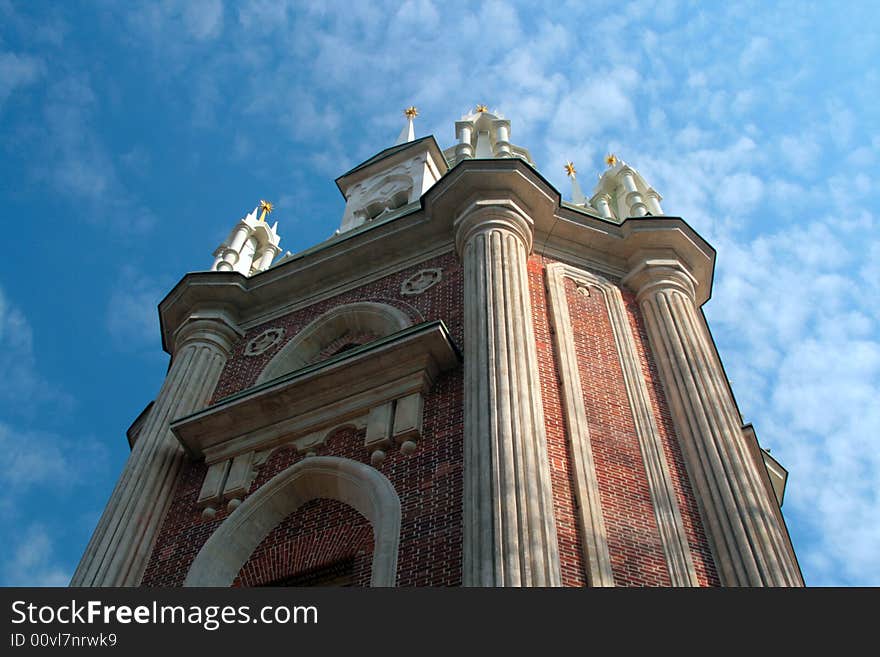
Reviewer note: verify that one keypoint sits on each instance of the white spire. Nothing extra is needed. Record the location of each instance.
(622, 192)
(577, 196)
(408, 133)
(484, 134)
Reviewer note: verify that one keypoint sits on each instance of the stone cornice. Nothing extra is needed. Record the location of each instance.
(301, 401)
(406, 239)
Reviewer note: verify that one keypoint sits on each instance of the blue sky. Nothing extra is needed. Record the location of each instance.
(133, 136)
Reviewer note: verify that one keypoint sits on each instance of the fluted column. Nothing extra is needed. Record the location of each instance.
(748, 541)
(120, 546)
(509, 528)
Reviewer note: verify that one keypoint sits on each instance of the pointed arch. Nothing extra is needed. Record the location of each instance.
(353, 483)
(366, 317)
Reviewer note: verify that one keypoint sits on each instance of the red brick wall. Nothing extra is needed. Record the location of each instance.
(634, 542)
(567, 527)
(428, 482)
(637, 557)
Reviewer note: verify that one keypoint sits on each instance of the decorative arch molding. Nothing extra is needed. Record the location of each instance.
(353, 483)
(366, 317)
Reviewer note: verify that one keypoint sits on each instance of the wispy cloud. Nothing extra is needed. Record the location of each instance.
(132, 314)
(17, 70)
(33, 560)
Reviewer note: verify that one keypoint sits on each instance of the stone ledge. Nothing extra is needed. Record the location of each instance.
(300, 402)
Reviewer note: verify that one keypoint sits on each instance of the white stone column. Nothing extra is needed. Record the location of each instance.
(509, 524)
(637, 207)
(652, 198)
(603, 205)
(748, 542)
(121, 544)
(502, 138)
(231, 253)
(267, 256)
(463, 132)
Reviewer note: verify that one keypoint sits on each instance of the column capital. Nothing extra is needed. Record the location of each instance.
(486, 214)
(211, 327)
(653, 272)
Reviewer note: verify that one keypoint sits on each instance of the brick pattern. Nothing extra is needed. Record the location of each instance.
(637, 557)
(441, 301)
(428, 482)
(558, 446)
(701, 552)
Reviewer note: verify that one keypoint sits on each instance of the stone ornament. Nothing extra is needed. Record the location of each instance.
(264, 342)
(421, 281)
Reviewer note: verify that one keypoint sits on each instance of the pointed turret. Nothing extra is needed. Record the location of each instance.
(484, 134)
(577, 196)
(622, 192)
(251, 246)
(408, 133)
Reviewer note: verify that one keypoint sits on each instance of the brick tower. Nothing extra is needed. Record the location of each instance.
(472, 382)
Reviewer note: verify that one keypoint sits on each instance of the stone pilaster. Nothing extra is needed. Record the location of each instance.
(748, 542)
(120, 546)
(509, 525)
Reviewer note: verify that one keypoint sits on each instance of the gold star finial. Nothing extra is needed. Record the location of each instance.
(411, 112)
(611, 159)
(569, 169)
(481, 108)
(266, 208)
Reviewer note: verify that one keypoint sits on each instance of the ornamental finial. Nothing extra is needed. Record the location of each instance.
(481, 108)
(570, 170)
(611, 159)
(411, 112)
(266, 208)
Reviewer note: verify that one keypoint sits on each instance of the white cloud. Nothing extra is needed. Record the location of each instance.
(21, 385)
(755, 52)
(800, 342)
(33, 562)
(801, 152)
(203, 19)
(601, 102)
(132, 315)
(17, 71)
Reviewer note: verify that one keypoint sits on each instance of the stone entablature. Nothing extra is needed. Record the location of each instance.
(378, 386)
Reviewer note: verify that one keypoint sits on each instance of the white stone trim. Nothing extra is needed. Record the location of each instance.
(380, 319)
(320, 396)
(264, 341)
(597, 559)
(421, 281)
(670, 525)
(364, 488)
